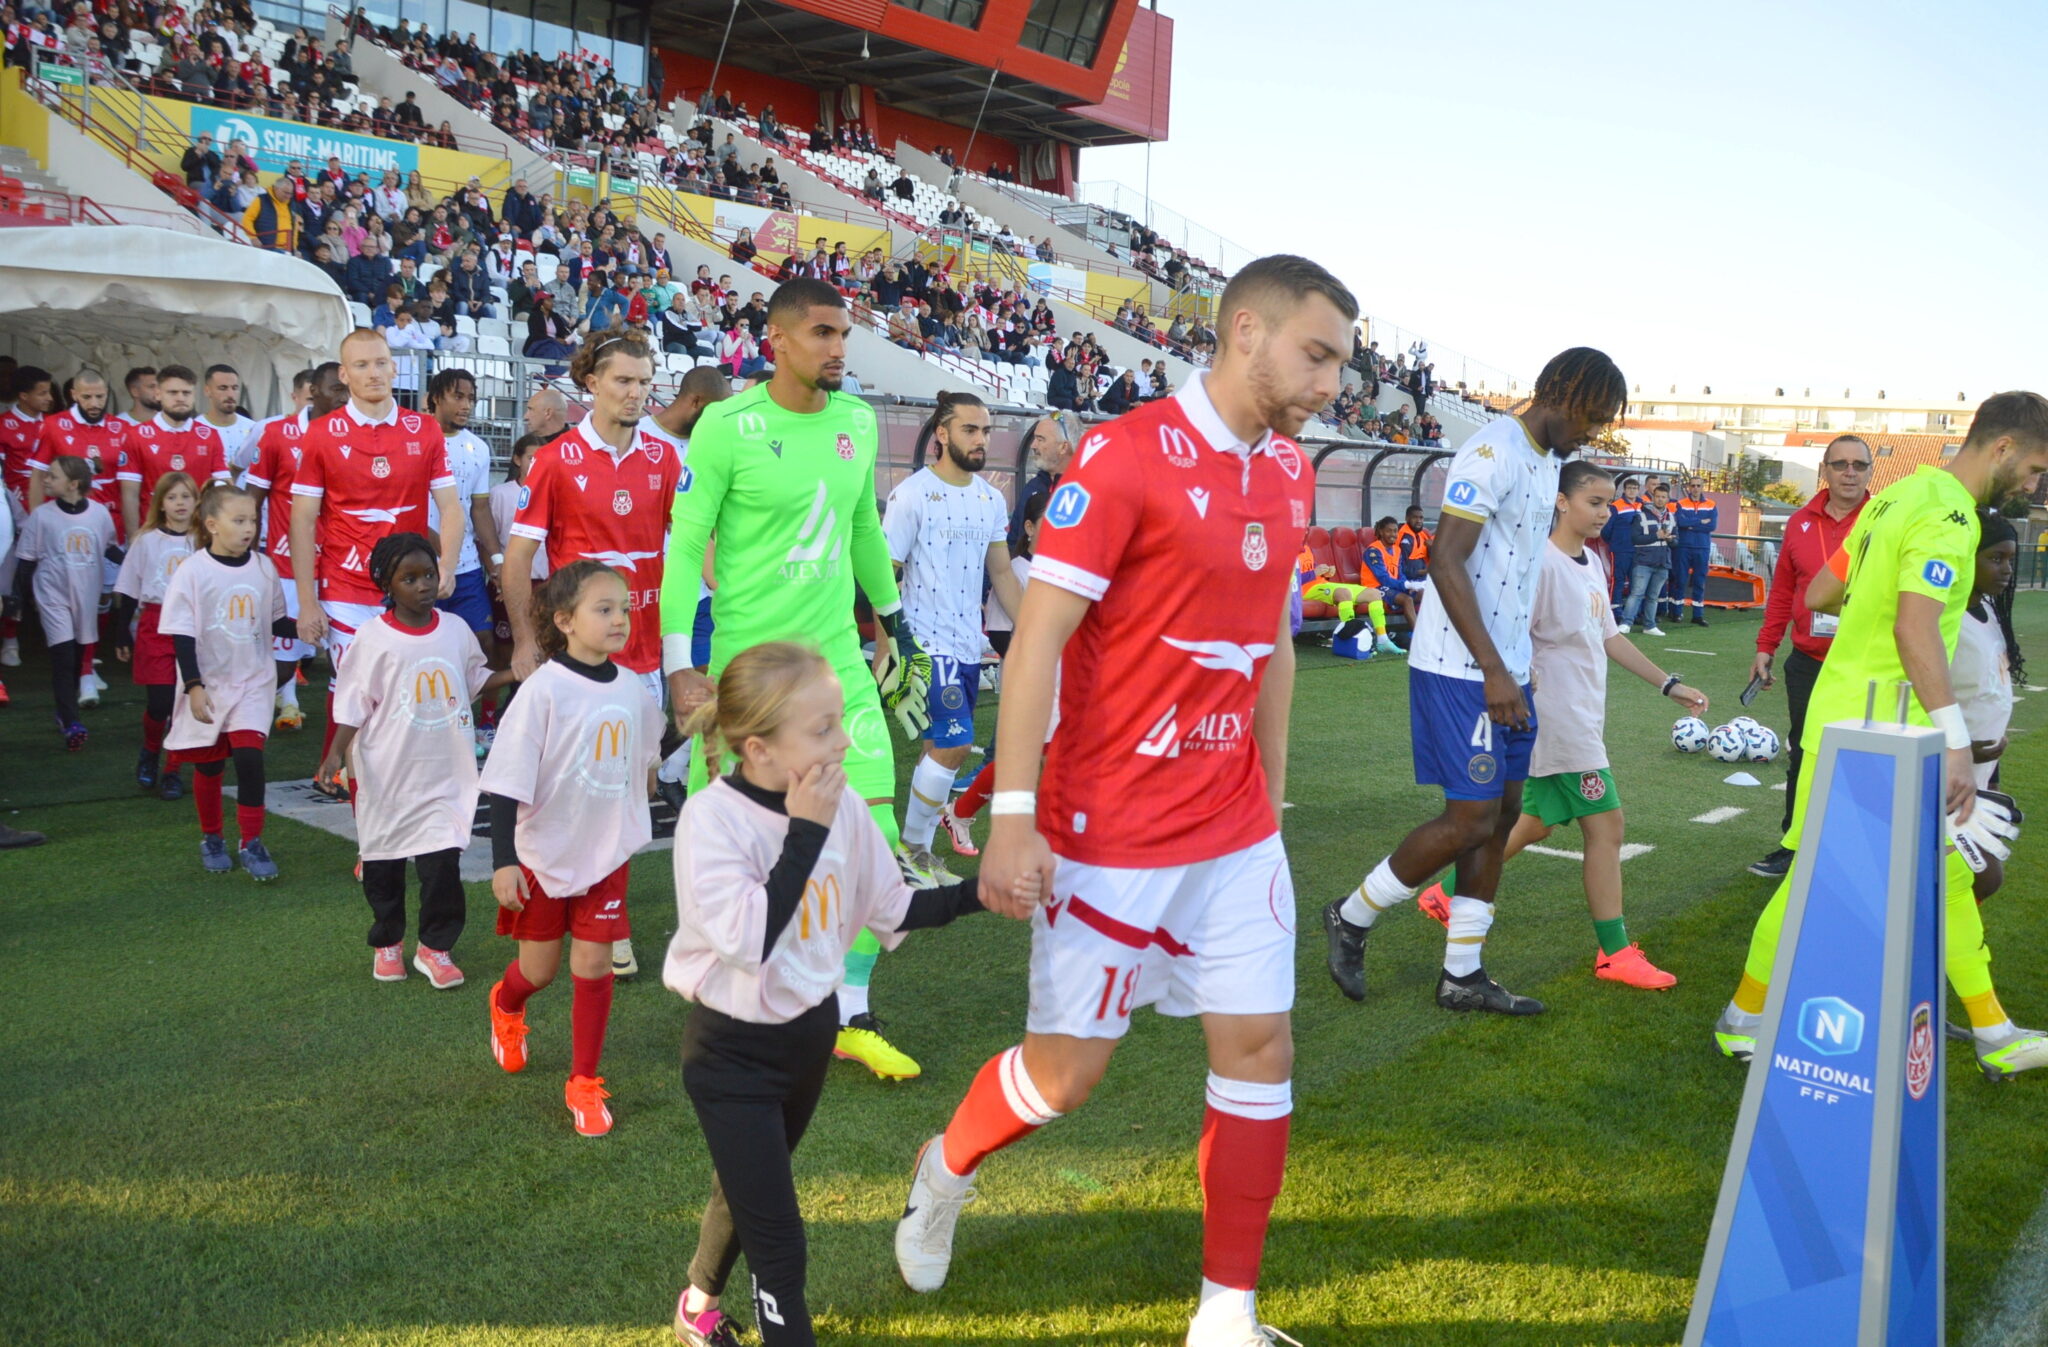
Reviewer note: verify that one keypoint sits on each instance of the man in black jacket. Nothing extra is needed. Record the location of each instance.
(470, 288)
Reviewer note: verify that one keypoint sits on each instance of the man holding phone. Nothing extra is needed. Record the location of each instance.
(1811, 536)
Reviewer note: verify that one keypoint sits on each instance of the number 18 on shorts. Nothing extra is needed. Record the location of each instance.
(1215, 937)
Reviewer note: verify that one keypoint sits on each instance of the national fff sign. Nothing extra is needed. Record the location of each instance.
(277, 143)
(1829, 1231)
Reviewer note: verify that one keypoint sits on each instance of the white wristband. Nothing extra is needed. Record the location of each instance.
(1013, 802)
(1949, 720)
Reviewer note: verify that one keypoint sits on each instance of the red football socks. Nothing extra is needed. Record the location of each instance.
(1241, 1162)
(85, 658)
(1001, 1107)
(512, 996)
(976, 795)
(248, 819)
(206, 795)
(153, 733)
(588, 1015)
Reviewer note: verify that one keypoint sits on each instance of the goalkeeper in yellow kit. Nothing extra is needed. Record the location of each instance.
(1901, 583)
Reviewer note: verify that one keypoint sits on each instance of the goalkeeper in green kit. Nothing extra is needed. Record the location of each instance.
(783, 477)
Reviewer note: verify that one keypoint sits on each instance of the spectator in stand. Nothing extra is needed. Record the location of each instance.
(743, 249)
(1123, 394)
(1061, 389)
(904, 187)
(274, 220)
(369, 273)
(739, 353)
(411, 330)
(524, 290)
(471, 288)
(677, 327)
(201, 163)
(386, 313)
(520, 210)
(409, 117)
(550, 335)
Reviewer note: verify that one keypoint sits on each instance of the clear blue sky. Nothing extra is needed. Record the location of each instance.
(1844, 194)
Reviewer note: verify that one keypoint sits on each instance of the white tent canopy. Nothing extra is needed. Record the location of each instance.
(118, 296)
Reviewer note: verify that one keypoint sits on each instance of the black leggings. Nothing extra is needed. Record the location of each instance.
(158, 699)
(443, 905)
(64, 679)
(1000, 642)
(249, 780)
(754, 1087)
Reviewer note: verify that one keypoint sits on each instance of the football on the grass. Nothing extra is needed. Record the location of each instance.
(1689, 735)
(1759, 742)
(1725, 744)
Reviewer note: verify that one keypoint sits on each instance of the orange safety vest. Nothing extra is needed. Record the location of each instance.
(1417, 542)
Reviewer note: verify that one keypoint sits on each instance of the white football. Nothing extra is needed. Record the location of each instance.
(1726, 744)
(1746, 722)
(1689, 735)
(1759, 742)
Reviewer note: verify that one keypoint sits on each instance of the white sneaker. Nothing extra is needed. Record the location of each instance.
(1234, 1332)
(10, 652)
(624, 965)
(959, 832)
(97, 681)
(1624, 628)
(2015, 1051)
(924, 1237)
(1653, 631)
(88, 691)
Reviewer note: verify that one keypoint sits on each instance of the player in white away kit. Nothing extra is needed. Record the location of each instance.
(1469, 700)
(237, 433)
(946, 527)
(1179, 710)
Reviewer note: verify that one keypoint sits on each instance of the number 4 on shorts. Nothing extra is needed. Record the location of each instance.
(1482, 733)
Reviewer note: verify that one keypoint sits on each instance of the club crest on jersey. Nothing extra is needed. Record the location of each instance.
(1067, 506)
(1288, 455)
(1178, 446)
(380, 466)
(622, 501)
(1481, 768)
(1255, 550)
(1592, 786)
(651, 447)
(845, 446)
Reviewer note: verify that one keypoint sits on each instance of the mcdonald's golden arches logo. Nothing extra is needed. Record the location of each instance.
(607, 767)
(821, 897)
(438, 693)
(610, 740)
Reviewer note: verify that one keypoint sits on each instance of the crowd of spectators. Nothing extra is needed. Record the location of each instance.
(1356, 416)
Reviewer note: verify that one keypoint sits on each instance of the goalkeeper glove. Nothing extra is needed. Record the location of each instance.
(904, 679)
(1988, 833)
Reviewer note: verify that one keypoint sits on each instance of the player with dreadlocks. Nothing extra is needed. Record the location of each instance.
(1470, 704)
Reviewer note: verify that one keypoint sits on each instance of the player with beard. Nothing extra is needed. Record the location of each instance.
(269, 482)
(140, 385)
(1178, 710)
(223, 392)
(946, 529)
(174, 440)
(601, 491)
(1469, 700)
(21, 429)
(784, 475)
(1901, 582)
(698, 390)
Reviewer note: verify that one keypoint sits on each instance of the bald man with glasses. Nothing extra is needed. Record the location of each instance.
(1811, 536)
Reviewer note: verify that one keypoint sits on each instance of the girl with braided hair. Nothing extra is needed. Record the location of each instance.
(404, 734)
(1987, 662)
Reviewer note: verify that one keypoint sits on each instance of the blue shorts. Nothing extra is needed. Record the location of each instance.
(1457, 745)
(471, 600)
(955, 682)
(700, 635)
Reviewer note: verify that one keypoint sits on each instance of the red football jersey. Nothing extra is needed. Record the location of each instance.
(104, 444)
(583, 500)
(156, 447)
(19, 432)
(373, 479)
(1156, 694)
(275, 468)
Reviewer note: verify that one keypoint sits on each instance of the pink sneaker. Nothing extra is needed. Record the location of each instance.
(1436, 905)
(390, 965)
(1630, 968)
(440, 970)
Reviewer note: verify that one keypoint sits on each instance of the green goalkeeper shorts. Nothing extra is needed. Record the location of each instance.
(1570, 795)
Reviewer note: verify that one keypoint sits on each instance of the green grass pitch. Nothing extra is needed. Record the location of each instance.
(217, 1129)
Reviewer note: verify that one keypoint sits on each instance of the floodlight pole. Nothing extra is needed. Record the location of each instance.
(967, 156)
(729, 18)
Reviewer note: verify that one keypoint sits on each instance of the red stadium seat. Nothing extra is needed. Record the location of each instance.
(1318, 543)
(1350, 555)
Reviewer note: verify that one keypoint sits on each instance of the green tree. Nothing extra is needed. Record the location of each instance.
(1751, 475)
(1786, 492)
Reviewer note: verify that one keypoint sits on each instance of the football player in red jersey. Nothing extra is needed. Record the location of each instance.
(1184, 706)
(86, 431)
(174, 440)
(601, 491)
(365, 472)
(270, 482)
(20, 428)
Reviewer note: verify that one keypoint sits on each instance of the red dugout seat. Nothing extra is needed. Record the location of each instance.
(1350, 555)
(1320, 547)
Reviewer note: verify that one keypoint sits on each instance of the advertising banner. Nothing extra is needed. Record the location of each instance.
(276, 143)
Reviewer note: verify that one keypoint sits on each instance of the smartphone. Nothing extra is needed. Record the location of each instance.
(1756, 685)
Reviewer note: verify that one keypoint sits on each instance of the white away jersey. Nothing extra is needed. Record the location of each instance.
(238, 443)
(1503, 482)
(1570, 624)
(408, 692)
(469, 458)
(575, 753)
(940, 534)
(725, 846)
(1981, 674)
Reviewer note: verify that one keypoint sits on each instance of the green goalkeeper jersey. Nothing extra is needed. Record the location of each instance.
(791, 499)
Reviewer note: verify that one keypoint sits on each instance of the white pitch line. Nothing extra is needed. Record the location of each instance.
(1779, 786)
(1629, 851)
(1720, 814)
(2018, 1310)
(1678, 650)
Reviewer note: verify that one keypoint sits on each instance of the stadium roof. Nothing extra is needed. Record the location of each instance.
(826, 53)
